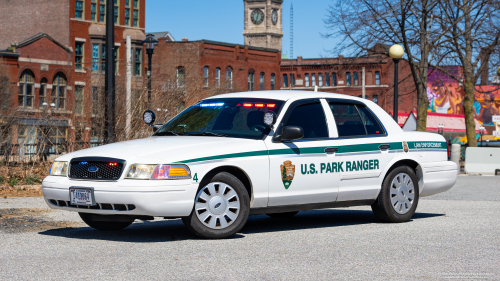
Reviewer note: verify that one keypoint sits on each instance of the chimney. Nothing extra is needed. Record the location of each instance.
(184, 39)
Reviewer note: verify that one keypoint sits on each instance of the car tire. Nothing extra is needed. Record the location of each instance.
(104, 225)
(398, 197)
(221, 207)
(282, 215)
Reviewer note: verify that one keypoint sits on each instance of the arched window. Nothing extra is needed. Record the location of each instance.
(356, 81)
(320, 79)
(26, 89)
(42, 96)
(58, 95)
(327, 79)
(217, 77)
(205, 77)
(348, 79)
(229, 77)
(313, 79)
(377, 77)
(181, 75)
(261, 81)
(251, 79)
(273, 81)
(307, 79)
(285, 81)
(334, 79)
(292, 80)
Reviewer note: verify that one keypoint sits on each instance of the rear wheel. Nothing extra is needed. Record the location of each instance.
(104, 225)
(282, 215)
(221, 208)
(398, 198)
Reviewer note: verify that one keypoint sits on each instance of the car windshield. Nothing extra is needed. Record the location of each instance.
(230, 117)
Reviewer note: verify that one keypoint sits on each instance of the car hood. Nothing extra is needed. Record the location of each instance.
(169, 149)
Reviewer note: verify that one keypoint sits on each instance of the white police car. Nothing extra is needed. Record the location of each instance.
(240, 154)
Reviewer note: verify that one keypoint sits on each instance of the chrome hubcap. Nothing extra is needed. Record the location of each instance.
(217, 205)
(402, 193)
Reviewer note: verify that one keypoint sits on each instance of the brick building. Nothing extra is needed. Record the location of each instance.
(344, 76)
(204, 68)
(54, 53)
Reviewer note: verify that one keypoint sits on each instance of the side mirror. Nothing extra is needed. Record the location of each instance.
(270, 118)
(291, 133)
(149, 117)
(156, 127)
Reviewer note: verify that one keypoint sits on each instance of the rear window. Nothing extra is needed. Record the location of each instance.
(354, 120)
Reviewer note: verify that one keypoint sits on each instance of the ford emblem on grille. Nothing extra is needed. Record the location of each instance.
(93, 169)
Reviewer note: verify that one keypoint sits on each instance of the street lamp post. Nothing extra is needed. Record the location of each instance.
(396, 52)
(150, 50)
(440, 129)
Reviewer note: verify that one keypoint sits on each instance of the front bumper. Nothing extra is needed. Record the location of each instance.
(172, 198)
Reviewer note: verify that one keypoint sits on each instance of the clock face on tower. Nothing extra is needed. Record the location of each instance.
(257, 16)
(274, 17)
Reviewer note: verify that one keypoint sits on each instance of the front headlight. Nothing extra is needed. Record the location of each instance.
(158, 172)
(59, 169)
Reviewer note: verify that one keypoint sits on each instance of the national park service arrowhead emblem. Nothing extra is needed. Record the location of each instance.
(287, 173)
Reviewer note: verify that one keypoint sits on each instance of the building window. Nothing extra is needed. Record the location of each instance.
(116, 55)
(285, 81)
(375, 99)
(205, 76)
(58, 95)
(273, 81)
(57, 136)
(348, 79)
(26, 89)
(26, 138)
(138, 62)
(320, 79)
(79, 99)
(313, 79)
(79, 10)
(307, 79)
(217, 77)
(292, 80)
(127, 12)
(229, 77)
(181, 75)
(102, 12)
(327, 79)
(93, 11)
(117, 12)
(95, 57)
(42, 96)
(356, 79)
(377, 78)
(334, 79)
(261, 81)
(136, 13)
(103, 58)
(79, 55)
(251, 80)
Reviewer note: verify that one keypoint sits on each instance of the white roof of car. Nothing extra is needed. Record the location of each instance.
(284, 95)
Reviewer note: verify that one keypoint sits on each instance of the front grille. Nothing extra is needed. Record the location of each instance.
(99, 206)
(96, 168)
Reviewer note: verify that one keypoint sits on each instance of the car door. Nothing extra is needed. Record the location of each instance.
(364, 149)
(300, 170)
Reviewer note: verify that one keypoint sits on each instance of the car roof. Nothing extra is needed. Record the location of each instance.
(284, 95)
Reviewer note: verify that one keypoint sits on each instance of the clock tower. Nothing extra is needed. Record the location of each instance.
(263, 24)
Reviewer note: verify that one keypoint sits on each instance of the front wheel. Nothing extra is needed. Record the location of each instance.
(398, 198)
(221, 208)
(104, 225)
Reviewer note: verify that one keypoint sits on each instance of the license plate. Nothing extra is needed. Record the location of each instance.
(81, 196)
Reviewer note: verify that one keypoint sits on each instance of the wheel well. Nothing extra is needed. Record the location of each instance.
(237, 172)
(410, 163)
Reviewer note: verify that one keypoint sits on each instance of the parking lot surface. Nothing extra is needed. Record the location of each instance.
(454, 235)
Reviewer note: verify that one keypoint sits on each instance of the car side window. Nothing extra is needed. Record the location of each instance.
(371, 123)
(311, 118)
(348, 120)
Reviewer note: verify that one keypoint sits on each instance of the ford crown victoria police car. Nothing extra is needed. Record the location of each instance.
(269, 152)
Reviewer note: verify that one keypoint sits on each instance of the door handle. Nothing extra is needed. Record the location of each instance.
(384, 146)
(331, 149)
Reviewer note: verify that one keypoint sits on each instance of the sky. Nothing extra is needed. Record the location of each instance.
(222, 20)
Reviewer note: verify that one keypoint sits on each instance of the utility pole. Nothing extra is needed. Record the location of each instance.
(109, 82)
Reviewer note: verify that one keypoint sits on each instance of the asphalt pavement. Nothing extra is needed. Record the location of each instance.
(454, 235)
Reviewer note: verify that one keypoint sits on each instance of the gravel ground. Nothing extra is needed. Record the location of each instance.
(454, 235)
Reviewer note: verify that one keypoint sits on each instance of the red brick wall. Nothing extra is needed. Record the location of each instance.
(21, 19)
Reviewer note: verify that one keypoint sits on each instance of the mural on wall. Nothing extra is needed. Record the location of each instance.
(446, 95)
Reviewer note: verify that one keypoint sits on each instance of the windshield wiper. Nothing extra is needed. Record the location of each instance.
(207, 134)
(167, 133)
